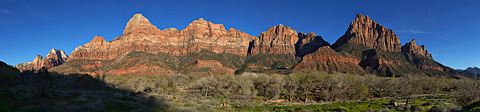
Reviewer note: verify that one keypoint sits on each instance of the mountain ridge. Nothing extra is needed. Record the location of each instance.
(366, 47)
(54, 58)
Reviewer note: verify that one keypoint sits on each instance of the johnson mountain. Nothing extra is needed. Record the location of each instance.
(207, 48)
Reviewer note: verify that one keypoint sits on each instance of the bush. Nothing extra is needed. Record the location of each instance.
(340, 109)
(476, 109)
(416, 108)
(205, 108)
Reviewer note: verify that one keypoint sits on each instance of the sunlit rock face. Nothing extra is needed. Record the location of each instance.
(276, 40)
(364, 31)
(54, 58)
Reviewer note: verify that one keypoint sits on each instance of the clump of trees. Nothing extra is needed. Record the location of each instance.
(301, 86)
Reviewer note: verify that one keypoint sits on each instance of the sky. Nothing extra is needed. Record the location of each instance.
(449, 29)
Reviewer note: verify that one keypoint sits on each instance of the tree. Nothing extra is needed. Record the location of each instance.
(469, 91)
(410, 86)
(275, 87)
(206, 84)
(246, 85)
(227, 85)
(308, 81)
(43, 80)
(291, 85)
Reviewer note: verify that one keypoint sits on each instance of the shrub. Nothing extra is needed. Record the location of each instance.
(416, 108)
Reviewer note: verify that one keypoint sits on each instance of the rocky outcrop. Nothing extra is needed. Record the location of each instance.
(96, 49)
(414, 49)
(138, 24)
(54, 58)
(326, 59)
(141, 35)
(473, 69)
(207, 48)
(276, 40)
(309, 43)
(364, 31)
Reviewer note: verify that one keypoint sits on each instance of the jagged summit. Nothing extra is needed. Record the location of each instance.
(412, 48)
(366, 32)
(276, 40)
(201, 19)
(366, 47)
(139, 24)
(54, 58)
(204, 27)
(308, 43)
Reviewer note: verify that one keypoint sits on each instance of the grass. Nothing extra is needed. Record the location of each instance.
(472, 107)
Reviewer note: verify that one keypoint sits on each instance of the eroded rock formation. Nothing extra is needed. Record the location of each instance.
(54, 58)
(276, 40)
(364, 31)
(326, 59)
(141, 35)
(309, 43)
(414, 49)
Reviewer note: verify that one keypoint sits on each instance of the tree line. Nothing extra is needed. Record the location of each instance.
(303, 86)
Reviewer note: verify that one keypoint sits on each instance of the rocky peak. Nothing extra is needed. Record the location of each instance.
(171, 29)
(237, 33)
(204, 27)
(37, 59)
(57, 54)
(139, 24)
(276, 40)
(412, 48)
(53, 51)
(54, 58)
(309, 43)
(96, 41)
(364, 31)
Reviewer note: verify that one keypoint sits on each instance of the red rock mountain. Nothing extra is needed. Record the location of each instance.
(54, 58)
(141, 35)
(309, 43)
(412, 48)
(207, 48)
(276, 40)
(364, 31)
(326, 59)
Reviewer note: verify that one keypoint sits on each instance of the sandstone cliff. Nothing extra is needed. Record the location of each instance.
(54, 58)
(412, 48)
(141, 35)
(364, 31)
(326, 59)
(276, 40)
(207, 48)
(309, 43)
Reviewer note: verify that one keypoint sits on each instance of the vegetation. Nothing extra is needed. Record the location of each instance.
(268, 63)
(295, 91)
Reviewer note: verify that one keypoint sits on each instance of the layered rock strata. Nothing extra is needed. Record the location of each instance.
(366, 32)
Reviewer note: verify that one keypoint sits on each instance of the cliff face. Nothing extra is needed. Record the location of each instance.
(141, 35)
(326, 59)
(276, 40)
(366, 32)
(309, 43)
(414, 49)
(207, 48)
(54, 58)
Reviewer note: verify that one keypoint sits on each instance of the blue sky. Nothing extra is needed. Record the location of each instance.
(449, 29)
